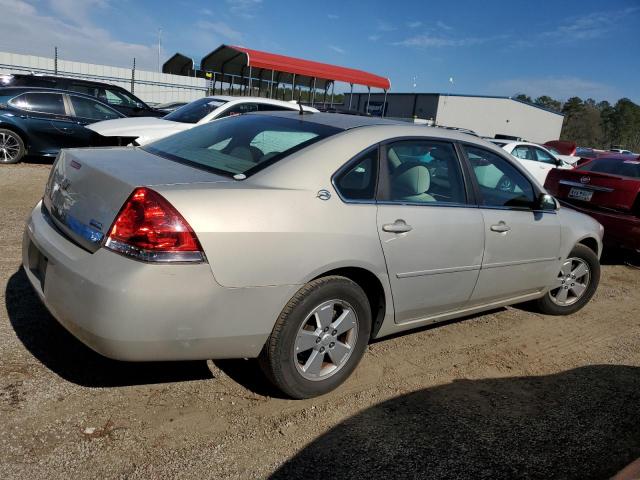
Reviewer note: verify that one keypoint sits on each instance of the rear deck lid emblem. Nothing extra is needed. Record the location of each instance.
(585, 179)
(323, 194)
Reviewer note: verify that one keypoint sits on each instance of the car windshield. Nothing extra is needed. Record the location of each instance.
(241, 144)
(195, 111)
(614, 166)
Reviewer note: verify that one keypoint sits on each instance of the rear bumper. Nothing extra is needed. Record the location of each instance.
(620, 230)
(135, 311)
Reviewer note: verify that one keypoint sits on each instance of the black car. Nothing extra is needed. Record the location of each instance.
(117, 97)
(41, 121)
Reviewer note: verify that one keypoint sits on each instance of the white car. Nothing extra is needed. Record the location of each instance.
(143, 130)
(536, 159)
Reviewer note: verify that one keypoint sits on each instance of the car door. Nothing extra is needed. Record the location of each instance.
(49, 124)
(85, 111)
(431, 236)
(522, 243)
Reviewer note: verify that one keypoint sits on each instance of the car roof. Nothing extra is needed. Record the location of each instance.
(337, 120)
(60, 77)
(50, 90)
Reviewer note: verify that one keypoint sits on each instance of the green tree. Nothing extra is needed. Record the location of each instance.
(523, 97)
(549, 103)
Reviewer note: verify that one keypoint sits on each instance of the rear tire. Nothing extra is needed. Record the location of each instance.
(319, 338)
(575, 285)
(12, 148)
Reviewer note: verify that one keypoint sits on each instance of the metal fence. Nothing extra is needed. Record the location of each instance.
(151, 87)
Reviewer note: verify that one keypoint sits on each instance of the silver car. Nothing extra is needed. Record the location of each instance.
(296, 239)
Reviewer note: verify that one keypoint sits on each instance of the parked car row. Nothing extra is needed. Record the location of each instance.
(37, 120)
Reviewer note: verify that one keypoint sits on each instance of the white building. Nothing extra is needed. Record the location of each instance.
(487, 116)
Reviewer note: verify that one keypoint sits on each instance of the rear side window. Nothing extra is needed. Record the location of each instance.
(501, 184)
(358, 181)
(40, 102)
(195, 111)
(91, 109)
(523, 152)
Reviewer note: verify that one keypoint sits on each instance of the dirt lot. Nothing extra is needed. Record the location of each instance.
(510, 394)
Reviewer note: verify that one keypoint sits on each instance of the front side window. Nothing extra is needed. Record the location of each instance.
(40, 102)
(115, 97)
(523, 152)
(358, 182)
(90, 109)
(501, 184)
(240, 145)
(424, 171)
(544, 157)
(195, 111)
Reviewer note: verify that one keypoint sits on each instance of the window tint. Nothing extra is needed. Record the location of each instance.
(501, 184)
(91, 109)
(119, 98)
(424, 171)
(195, 111)
(234, 145)
(41, 102)
(523, 152)
(265, 107)
(84, 88)
(359, 181)
(240, 109)
(614, 166)
(543, 156)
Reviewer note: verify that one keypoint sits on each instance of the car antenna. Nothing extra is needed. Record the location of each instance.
(301, 109)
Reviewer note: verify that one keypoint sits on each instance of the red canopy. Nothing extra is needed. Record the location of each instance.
(233, 60)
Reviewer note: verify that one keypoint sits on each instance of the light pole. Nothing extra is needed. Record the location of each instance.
(159, 49)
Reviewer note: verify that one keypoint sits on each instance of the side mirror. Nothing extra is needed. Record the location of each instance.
(547, 203)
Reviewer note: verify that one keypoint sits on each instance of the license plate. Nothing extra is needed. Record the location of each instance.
(580, 194)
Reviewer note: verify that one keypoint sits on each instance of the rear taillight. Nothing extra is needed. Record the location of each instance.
(148, 228)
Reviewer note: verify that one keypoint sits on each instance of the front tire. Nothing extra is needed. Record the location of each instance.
(12, 147)
(576, 283)
(319, 338)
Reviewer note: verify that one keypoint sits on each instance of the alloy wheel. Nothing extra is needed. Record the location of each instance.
(326, 340)
(9, 148)
(572, 282)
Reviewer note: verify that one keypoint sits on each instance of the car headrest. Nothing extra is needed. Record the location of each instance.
(410, 179)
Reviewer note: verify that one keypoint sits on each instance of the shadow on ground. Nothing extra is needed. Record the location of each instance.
(59, 351)
(580, 424)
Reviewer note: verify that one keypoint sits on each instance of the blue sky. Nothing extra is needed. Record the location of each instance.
(561, 48)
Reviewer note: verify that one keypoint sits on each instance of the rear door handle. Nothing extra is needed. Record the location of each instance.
(501, 227)
(399, 226)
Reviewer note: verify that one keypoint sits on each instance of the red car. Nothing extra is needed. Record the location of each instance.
(608, 189)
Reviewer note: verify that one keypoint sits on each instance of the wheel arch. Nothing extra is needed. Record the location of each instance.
(17, 130)
(372, 287)
(592, 244)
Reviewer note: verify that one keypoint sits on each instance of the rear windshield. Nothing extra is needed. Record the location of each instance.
(614, 166)
(241, 144)
(195, 111)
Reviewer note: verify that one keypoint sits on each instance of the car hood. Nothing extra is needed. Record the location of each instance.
(138, 127)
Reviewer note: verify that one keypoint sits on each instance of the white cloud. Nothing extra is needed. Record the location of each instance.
(415, 24)
(206, 11)
(337, 49)
(244, 8)
(587, 27)
(373, 38)
(72, 30)
(220, 28)
(385, 26)
(332, 16)
(443, 26)
(427, 41)
(559, 87)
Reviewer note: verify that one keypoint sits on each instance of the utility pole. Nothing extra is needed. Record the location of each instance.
(159, 49)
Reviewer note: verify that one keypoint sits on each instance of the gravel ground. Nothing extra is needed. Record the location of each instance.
(509, 394)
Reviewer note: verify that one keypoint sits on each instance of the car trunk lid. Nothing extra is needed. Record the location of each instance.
(594, 189)
(87, 188)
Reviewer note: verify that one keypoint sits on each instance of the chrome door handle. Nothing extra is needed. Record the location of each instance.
(399, 226)
(501, 227)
